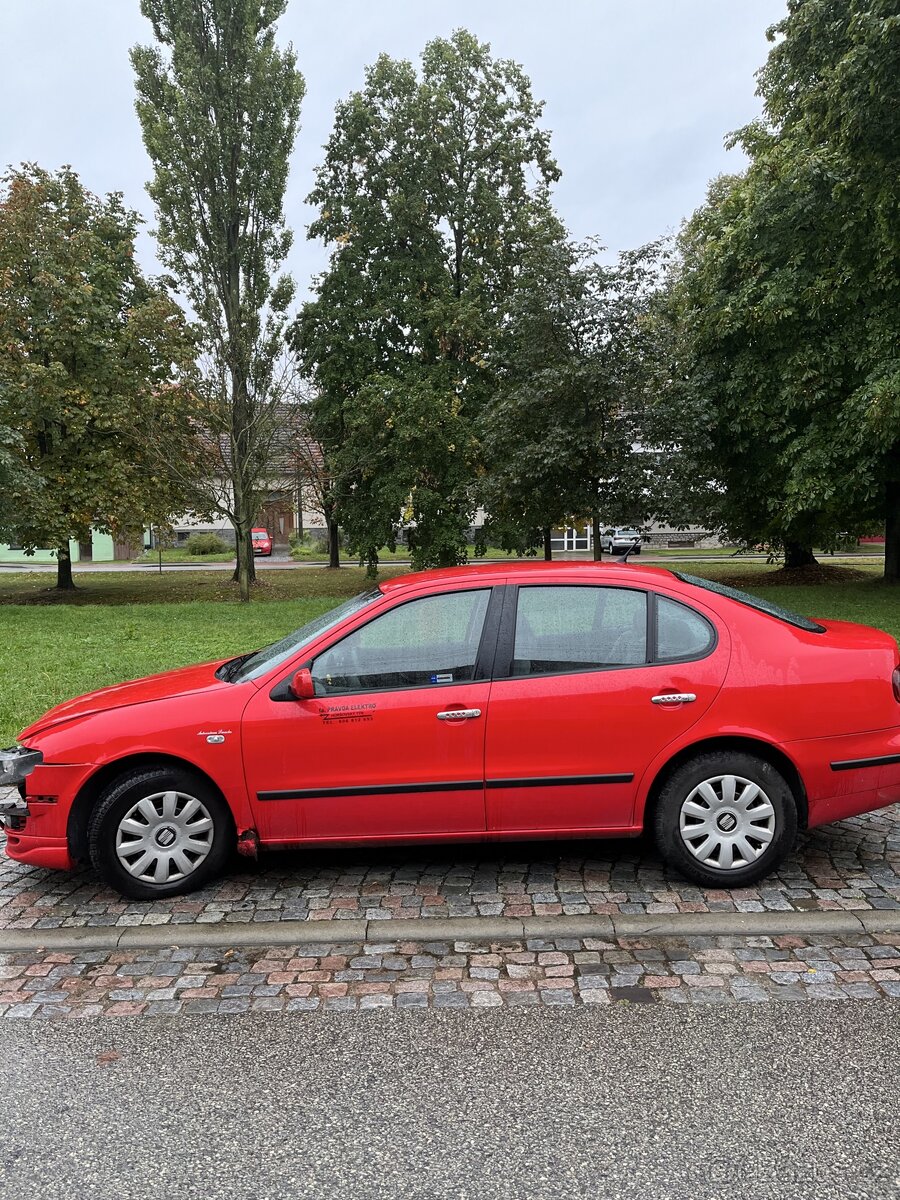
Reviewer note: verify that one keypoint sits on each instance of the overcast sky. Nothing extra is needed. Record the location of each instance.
(640, 94)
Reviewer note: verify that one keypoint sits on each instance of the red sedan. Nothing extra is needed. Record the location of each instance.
(499, 702)
(262, 542)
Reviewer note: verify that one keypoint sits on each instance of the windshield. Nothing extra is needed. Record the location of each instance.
(766, 606)
(270, 656)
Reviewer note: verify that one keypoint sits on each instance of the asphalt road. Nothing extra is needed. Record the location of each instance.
(763, 1101)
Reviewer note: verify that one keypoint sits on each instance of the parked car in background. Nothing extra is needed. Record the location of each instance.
(621, 541)
(504, 701)
(262, 543)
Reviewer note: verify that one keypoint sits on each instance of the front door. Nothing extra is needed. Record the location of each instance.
(392, 745)
(578, 717)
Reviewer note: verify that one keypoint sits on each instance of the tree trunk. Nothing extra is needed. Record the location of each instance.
(64, 580)
(798, 555)
(595, 536)
(334, 545)
(548, 545)
(892, 531)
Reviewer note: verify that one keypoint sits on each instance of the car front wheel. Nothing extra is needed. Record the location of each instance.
(725, 819)
(158, 832)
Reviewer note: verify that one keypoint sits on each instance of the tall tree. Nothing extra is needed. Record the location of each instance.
(788, 298)
(91, 355)
(219, 106)
(432, 187)
(563, 434)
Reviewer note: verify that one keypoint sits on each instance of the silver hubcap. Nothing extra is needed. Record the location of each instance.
(165, 837)
(727, 822)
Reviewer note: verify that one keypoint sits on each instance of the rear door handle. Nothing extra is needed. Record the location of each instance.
(674, 698)
(459, 714)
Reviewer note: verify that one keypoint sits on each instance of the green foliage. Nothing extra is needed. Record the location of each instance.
(574, 367)
(787, 305)
(206, 543)
(427, 198)
(95, 367)
(219, 106)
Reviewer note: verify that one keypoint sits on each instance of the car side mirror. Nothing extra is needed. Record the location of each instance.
(302, 686)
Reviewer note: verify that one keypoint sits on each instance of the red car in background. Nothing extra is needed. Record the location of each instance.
(505, 701)
(262, 542)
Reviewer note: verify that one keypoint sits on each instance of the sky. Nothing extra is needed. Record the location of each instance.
(640, 95)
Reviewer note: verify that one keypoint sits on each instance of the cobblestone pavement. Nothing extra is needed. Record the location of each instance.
(351, 976)
(854, 864)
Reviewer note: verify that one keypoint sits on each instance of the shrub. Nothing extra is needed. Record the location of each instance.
(206, 543)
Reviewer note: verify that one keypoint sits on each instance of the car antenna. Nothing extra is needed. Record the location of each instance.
(631, 549)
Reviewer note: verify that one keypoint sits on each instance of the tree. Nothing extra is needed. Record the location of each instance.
(219, 109)
(787, 301)
(91, 355)
(562, 436)
(432, 187)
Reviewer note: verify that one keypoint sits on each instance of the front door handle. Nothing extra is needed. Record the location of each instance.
(459, 714)
(674, 698)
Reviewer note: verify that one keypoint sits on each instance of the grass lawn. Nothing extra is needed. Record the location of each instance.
(123, 625)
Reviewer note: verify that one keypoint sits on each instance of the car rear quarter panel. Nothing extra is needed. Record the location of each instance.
(818, 698)
(793, 685)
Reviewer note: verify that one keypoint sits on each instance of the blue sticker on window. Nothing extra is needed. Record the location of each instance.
(442, 677)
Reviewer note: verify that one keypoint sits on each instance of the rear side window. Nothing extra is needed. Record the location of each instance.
(764, 606)
(561, 629)
(680, 632)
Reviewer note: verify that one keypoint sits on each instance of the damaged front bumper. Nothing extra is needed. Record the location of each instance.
(16, 764)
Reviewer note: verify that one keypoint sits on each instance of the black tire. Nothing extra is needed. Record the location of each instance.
(123, 794)
(781, 827)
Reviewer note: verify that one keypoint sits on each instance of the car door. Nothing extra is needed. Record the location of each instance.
(580, 706)
(392, 744)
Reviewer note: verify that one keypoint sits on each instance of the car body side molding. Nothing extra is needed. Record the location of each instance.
(392, 789)
(853, 764)
(462, 785)
(560, 780)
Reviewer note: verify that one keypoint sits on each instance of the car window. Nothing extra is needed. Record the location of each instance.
(254, 665)
(432, 640)
(577, 628)
(680, 632)
(761, 605)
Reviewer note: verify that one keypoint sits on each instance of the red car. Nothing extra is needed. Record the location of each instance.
(262, 543)
(501, 702)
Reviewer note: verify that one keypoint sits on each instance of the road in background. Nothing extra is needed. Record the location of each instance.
(285, 564)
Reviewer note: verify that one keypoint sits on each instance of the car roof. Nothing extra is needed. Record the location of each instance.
(514, 570)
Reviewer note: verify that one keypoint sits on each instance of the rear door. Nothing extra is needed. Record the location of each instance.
(592, 682)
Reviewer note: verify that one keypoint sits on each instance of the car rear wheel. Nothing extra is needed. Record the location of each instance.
(726, 819)
(159, 832)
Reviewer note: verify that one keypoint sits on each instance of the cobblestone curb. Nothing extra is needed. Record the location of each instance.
(296, 933)
(448, 974)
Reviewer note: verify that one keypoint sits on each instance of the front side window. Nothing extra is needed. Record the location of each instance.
(429, 641)
(562, 629)
(254, 665)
